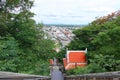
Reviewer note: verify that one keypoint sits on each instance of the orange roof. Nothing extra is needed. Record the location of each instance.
(74, 59)
(76, 56)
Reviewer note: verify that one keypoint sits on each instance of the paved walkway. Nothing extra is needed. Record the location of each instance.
(57, 75)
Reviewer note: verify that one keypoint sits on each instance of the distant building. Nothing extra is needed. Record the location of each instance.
(74, 59)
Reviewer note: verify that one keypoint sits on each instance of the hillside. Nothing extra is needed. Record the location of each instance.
(102, 39)
(109, 17)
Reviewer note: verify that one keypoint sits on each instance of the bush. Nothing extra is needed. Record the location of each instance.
(91, 68)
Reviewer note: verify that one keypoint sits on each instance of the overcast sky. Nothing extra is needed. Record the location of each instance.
(72, 11)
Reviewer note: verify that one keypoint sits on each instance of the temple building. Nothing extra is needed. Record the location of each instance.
(74, 59)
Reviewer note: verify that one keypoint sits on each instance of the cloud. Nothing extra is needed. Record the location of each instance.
(72, 11)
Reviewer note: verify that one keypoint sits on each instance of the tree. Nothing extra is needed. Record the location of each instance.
(44, 48)
(91, 68)
(10, 10)
(22, 42)
(102, 40)
(9, 54)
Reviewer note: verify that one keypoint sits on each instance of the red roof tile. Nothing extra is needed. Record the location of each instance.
(76, 56)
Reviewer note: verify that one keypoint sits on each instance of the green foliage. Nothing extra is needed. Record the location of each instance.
(9, 16)
(44, 48)
(42, 68)
(23, 47)
(106, 61)
(91, 68)
(61, 55)
(103, 43)
(9, 53)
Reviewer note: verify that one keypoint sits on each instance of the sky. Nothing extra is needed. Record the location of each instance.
(72, 11)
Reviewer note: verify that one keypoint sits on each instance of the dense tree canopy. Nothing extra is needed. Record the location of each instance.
(103, 42)
(23, 47)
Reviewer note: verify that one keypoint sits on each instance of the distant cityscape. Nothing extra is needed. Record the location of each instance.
(64, 25)
(60, 34)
